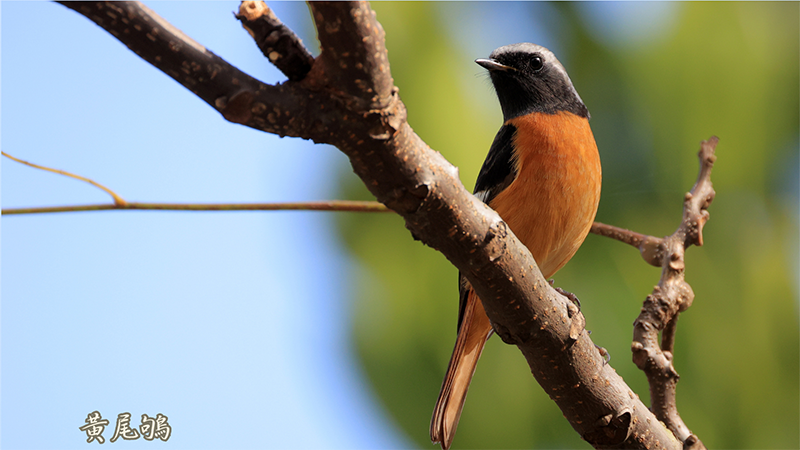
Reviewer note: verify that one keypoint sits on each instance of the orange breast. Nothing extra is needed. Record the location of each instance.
(551, 204)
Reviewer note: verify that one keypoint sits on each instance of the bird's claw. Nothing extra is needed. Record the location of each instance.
(569, 295)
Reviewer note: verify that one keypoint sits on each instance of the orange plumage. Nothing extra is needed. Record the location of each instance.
(551, 204)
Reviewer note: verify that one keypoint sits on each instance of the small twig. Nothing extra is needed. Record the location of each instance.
(330, 205)
(621, 234)
(651, 248)
(118, 201)
(277, 42)
(120, 204)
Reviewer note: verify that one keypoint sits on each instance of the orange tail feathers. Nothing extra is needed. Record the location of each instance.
(472, 336)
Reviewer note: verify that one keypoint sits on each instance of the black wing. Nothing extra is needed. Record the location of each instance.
(497, 173)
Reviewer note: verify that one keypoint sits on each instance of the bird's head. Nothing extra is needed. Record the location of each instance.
(528, 78)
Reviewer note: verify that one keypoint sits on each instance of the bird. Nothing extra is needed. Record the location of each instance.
(542, 175)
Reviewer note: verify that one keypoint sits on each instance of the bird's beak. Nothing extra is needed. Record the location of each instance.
(492, 65)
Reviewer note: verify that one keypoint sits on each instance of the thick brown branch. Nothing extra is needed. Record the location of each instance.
(353, 58)
(156, 41)
(277, 42)
(348, 99)
(239, 97)
(671, 296)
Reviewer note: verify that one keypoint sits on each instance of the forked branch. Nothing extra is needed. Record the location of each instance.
(671, 296)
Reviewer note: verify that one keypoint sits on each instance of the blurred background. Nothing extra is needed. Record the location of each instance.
(333, 330)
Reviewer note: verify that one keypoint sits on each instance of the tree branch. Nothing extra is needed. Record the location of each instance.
(118, 201)
(671, 296)
(348, 99)
(120, 204)
(353, 57)
(239, 97)
(277, 42)
(649, 247)
(324, 205)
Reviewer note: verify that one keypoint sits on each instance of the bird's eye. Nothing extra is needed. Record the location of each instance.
(537, 63)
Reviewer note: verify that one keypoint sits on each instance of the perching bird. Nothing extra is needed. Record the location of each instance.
(542, 175)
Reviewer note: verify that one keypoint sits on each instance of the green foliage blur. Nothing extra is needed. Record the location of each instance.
(725, 69)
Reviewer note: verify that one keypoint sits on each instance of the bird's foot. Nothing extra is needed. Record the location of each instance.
(569, 295)
(603, 352)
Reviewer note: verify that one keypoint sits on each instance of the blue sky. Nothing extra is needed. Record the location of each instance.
(234, 325)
